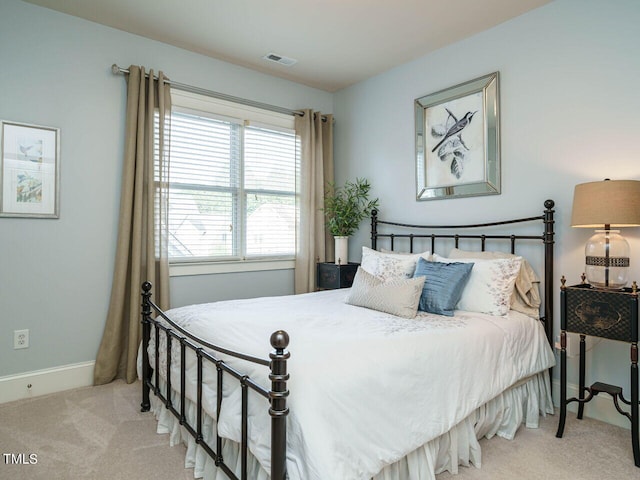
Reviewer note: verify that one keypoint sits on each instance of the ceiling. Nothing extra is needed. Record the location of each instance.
(336, 42)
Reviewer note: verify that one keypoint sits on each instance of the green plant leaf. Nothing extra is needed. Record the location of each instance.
(345, 207)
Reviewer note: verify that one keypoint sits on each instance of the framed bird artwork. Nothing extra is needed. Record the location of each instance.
(458, 140)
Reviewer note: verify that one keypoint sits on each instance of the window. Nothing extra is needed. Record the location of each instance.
(232, 182)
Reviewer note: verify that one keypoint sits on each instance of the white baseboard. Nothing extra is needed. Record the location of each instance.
(42, 382)
(601, 407)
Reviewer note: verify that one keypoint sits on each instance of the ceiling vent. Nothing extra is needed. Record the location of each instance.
(274, 57)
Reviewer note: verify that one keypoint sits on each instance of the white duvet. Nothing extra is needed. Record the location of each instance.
(367, 388)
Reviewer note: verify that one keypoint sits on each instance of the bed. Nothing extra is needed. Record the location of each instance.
(364, 393)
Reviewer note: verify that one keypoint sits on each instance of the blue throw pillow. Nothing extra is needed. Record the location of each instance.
(443, 286)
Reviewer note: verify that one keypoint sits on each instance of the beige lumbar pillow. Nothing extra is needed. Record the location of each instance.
(396, 296)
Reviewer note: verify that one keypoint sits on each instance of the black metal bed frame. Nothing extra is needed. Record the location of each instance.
(547, 238)
(277, 362)
(277, 396)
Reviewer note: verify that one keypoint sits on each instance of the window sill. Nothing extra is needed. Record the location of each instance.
(187, 269)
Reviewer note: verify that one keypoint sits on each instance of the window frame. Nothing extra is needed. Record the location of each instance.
(193, 103)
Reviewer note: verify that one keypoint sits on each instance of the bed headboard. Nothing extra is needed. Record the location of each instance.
(409, 236)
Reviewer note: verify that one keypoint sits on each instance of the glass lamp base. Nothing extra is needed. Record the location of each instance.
(607, 259)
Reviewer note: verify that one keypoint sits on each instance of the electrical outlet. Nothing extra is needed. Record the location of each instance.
(20, 339)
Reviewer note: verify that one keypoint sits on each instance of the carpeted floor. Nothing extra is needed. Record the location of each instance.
(588, 450)
(91, 433)
(98, 433)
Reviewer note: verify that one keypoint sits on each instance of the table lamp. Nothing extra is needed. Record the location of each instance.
(602, 205)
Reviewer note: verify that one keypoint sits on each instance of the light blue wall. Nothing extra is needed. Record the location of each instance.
(569, 95)
(55, 275)
(569, 76)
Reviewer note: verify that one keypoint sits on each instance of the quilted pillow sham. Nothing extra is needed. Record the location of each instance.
(443, 286)
(397, 296)
(526, 294)
(490, 284)
(390, 265)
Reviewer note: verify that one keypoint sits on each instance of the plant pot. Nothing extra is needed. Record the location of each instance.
(342, 250)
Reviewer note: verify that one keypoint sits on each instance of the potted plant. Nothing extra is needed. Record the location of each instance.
(344, 208)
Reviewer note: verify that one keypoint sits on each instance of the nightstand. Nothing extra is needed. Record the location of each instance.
(330, 275)
(598, 312)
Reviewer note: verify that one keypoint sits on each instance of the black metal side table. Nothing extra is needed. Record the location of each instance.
(611, 314)
(330, 275)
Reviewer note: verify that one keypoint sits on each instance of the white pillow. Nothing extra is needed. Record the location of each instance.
(397, 296)
(390, 265)
(526, 294)
(490, 284)
(426, 255)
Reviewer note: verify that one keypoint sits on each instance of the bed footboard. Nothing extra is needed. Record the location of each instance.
(276, 396)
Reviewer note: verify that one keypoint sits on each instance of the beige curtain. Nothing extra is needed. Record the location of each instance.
(141, 252)
(316, 169)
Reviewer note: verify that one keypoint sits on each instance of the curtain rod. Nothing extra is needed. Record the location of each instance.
(115, 69)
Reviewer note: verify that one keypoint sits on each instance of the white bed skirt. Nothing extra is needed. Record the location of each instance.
(502, 416)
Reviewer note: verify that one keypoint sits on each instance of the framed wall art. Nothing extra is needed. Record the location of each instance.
(457, 134)
(29, 170)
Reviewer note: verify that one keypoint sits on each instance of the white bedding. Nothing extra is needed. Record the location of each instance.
(367, 388)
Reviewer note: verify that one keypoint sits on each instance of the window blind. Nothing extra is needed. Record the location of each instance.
(232, 189)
